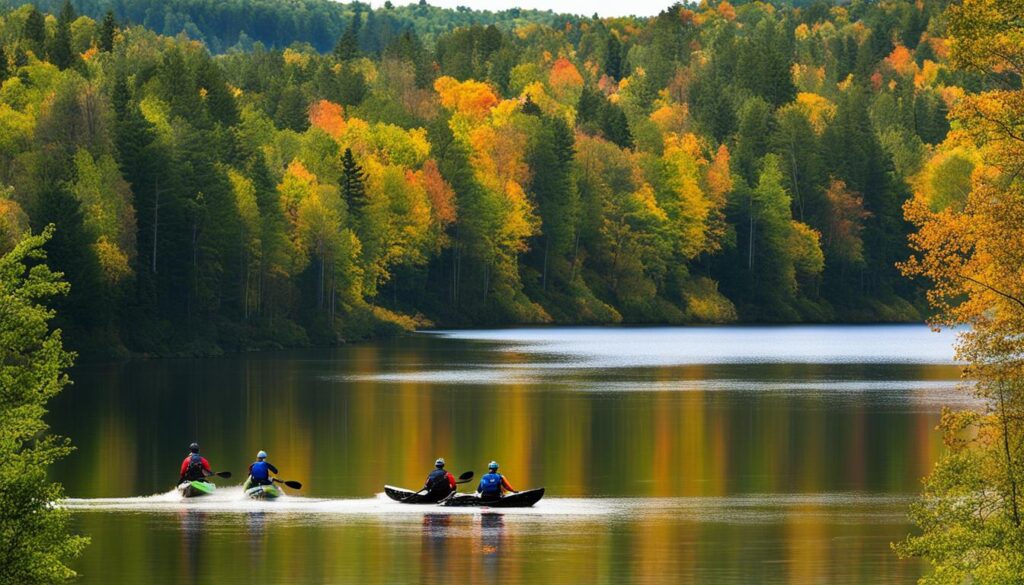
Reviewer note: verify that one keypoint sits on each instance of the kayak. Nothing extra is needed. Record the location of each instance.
(410, 497)
(263, 492)
(192, 489)
(514, 500)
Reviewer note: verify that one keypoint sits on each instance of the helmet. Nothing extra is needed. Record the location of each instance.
(261, 455)
(493, 465)
(194, 447)
(439, 462)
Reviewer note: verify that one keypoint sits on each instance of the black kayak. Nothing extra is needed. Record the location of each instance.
(410, 497)
(515, 500)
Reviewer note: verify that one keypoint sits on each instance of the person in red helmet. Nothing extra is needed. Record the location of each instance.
(195, 467)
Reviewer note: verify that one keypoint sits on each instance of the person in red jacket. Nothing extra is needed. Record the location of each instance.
(440, 482)
(195, 467)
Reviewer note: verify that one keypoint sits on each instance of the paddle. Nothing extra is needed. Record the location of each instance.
(462, 479)
(292, 484)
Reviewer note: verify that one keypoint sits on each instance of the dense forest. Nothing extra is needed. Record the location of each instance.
(340, 171)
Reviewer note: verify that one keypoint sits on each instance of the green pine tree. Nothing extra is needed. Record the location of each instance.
(348, 45)
(35, 31)
(61, 53)
(353, 185)
(613, 57)
(107, 31)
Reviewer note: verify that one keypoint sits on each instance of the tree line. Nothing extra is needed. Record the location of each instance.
(714, 163)
(224, 25)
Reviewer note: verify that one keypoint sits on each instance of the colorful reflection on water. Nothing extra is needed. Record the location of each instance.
(753, 466)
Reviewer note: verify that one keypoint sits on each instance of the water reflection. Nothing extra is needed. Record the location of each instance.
(492, 533)
(436, 543)
(193, 532)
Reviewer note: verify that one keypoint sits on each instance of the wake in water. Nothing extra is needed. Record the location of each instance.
(745, 509)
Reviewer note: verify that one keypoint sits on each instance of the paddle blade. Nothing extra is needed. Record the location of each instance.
(294, 485)
(224, 474)
(466, 476)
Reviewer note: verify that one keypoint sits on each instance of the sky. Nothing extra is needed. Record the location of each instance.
(584, 7)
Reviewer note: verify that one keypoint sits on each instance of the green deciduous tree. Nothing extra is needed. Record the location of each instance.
(37, 541)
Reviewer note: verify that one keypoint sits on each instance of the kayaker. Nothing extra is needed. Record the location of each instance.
(440, 482)
(260, 470)
(195, 467)
(493, 485)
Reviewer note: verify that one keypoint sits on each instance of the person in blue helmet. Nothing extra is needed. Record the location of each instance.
(440, 482)
(259, 472)
(493, 485)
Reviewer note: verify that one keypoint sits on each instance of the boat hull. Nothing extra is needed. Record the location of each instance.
(263, 492)
(194, 489)
(523, 499)
(410, 497)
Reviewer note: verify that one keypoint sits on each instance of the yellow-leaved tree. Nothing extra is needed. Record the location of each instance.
(969, 245)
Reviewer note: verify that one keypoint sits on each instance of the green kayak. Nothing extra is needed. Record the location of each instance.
(262, 492)
(192, 489)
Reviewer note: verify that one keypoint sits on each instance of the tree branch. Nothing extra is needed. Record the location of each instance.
(994, 289)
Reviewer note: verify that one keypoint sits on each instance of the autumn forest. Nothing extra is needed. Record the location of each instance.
(271, 175)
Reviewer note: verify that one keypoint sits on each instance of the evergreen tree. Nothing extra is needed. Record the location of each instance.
(613, 57)
(615, 126)
(554, 189)
(35, 31)
(107, 31)
(588, 109)
(4, 65)
(712, 106)
(530, 107)
(70, 251)
(61, 53)
(292, 110)
(351, 86)
(752, 137)
(353, 186)
(765, 64)
(347, 47)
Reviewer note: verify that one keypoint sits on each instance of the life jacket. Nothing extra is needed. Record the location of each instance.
(490, 485)
(260, 471)
(438, 480)
(195, 468)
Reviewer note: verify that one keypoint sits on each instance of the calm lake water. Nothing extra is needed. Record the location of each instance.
(714, 455)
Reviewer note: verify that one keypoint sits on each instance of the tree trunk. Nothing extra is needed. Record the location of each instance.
(1011, 474)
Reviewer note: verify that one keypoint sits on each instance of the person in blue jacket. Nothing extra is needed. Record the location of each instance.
(493, 485)
(259, 472)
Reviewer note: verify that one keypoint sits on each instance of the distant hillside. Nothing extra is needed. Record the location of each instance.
(223, 24)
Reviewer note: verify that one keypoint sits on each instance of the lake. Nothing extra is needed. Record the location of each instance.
(704, 454)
